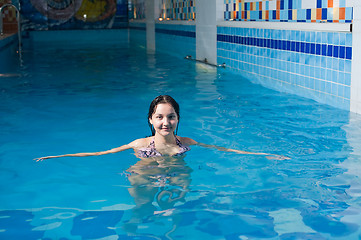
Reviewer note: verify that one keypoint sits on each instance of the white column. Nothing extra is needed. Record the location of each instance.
(208, 12)
(151, 13)
(356, 59)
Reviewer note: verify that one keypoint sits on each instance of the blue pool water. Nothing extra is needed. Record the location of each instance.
(88, 96)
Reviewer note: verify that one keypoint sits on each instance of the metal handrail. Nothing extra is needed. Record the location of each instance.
(17, 19)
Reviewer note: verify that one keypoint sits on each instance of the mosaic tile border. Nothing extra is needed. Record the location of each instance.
(178, 9)
(176, 30)
(137, 10)
(293, 46)
(316, 43)
(288, 11)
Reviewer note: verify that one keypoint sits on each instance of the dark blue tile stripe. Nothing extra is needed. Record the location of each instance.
(301, 47)
(176, 32)
(137, 28)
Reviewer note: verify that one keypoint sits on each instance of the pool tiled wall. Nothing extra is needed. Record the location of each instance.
(316, 63)
(288, 10)
(137, 34)
(176, 39)
(9, 58)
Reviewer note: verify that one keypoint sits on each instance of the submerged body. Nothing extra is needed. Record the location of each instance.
(151, 150)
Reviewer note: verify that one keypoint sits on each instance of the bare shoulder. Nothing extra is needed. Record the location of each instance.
(187, 141)
(140, 143)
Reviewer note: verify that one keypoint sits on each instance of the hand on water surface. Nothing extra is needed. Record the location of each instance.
(41, 159)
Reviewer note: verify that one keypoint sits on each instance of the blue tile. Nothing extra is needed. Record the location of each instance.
(308, 48)
(322, 86)
(318, 49)
(342, 39)
(336, 38)
(324, 13)
(342, 52)
(340, 90)
(324, 50)
(348, 13)
(324, 37)
(336, 51)
(348, 53)
(308, 36)
(312, 48)
(297, 35)
(349, 39)
(348, 79)
(327, 87)
(293, 46)
(330, 36)
(334, 89)
(341, 78)
(347, 92)
(348, 64)
(335, 76)
(302, 36)
(318, 37)
(329, 50)
(303, 47)
(329, 62)
(342, 65)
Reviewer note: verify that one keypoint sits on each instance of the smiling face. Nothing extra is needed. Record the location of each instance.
(164, 119)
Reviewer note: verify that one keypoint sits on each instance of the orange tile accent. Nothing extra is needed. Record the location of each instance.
(260, 6)
(313, 20)
(267, 14)
(336, 13)
(278, 14)
(234, 14)
(278, 7)
(336, 21)
(319, 13)
(251, 6)
(342, 13)
(330, 3)
(243, 12)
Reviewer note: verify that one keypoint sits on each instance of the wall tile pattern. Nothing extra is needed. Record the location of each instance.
(288, 10)
(316, 62)
(178, 9)
(137, 9)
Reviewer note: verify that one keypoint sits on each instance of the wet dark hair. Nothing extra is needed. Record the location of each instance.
(158, 100)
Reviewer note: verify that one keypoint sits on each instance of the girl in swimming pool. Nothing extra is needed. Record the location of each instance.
(163, 119)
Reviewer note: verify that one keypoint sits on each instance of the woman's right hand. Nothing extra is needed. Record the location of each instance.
(42, 159)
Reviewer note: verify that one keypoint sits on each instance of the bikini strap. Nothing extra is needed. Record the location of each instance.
(178, 142)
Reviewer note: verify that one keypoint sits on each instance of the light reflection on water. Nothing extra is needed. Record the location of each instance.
(99, 100)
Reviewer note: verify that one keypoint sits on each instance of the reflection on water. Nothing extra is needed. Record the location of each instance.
(158, 185)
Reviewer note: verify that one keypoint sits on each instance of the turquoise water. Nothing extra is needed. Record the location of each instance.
(89, 96)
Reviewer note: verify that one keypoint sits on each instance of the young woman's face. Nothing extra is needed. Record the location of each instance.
(164, 119)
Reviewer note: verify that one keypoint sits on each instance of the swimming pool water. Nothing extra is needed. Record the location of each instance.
(92, 97)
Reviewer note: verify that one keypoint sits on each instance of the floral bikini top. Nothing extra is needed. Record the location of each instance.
(150, 151)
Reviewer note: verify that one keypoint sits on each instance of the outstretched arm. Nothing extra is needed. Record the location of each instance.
(268, 155)
(114, 150)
